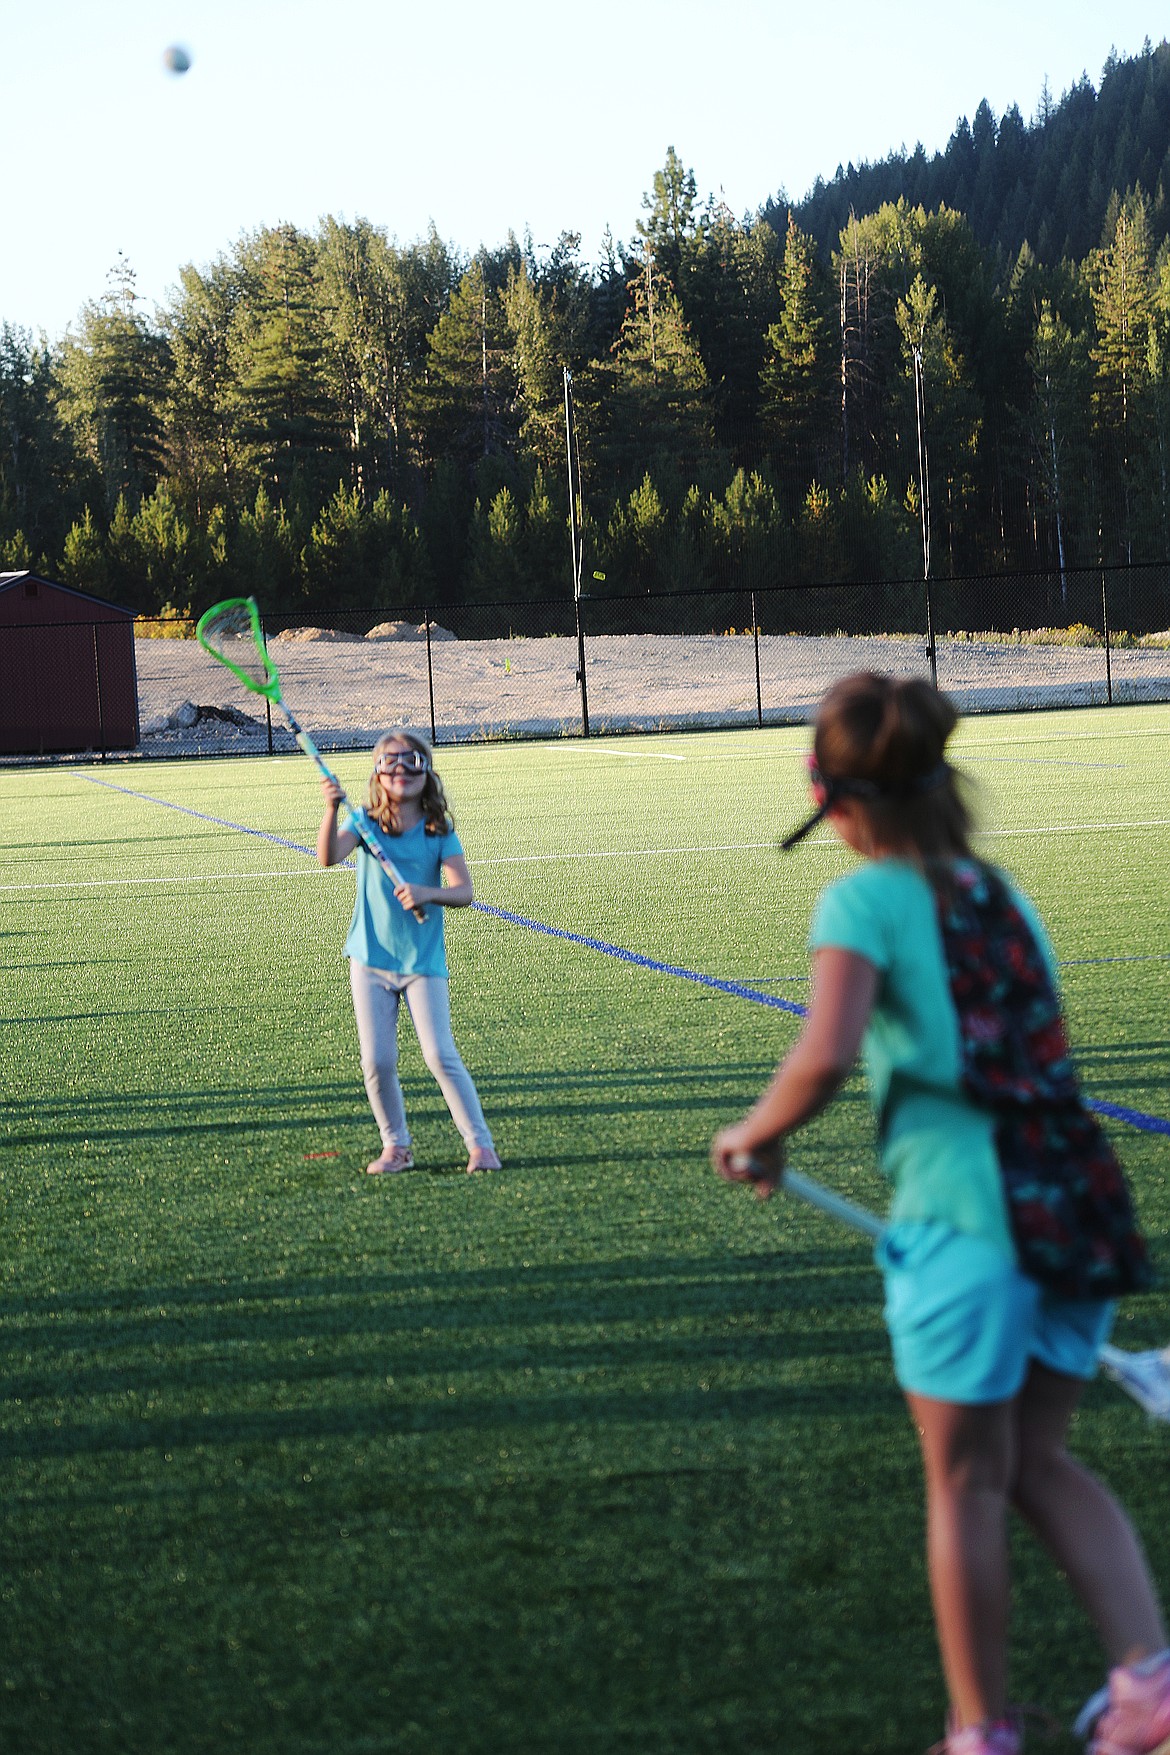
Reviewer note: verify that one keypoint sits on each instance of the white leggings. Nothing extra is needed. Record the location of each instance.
(376, 993)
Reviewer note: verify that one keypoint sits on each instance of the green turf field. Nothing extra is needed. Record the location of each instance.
(593, 1455)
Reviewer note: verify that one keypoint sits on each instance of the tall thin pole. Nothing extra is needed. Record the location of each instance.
(756, 644)
(1105, 631)
(267, 702)
(576, 543)
(430, 673)
(924, 499)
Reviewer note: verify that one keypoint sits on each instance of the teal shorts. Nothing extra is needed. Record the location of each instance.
(966, 1324)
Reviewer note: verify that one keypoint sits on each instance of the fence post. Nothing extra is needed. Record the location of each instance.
(756, 644)
(930, 647)
(581, 667)
(267, 702)
(430, 674)
(577, 542)
(97, 678)
(1105, 626)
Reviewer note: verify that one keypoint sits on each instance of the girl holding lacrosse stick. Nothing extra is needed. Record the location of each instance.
(1011, 1230)
(395, 943)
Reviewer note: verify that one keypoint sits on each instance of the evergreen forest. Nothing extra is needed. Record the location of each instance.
(340, 422)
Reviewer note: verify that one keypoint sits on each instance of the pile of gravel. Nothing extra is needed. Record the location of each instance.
(188, 716)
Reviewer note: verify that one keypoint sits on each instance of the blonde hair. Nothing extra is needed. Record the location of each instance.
(892, 732)
(437, 817)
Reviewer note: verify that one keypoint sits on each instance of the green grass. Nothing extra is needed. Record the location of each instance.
(595, 1455)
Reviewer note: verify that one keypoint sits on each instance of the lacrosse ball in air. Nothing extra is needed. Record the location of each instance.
(176, 59)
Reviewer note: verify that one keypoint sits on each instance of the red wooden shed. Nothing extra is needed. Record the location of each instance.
(67, 674)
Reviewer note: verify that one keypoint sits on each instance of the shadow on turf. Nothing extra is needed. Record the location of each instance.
(142, 1011)
(768, 1281)
(593, 1321)
(504, 1413)
(222, 1110)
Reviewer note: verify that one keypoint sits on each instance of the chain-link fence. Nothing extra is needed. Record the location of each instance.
(484, 671)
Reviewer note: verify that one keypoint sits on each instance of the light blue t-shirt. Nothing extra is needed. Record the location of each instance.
(382, 932)
(938, 1148)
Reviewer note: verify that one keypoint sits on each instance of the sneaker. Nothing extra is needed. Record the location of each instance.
(391, 1159)
(1132, 1715)
(1001, 1736)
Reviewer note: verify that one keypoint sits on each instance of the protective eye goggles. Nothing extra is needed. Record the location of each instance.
(402, 761)
(828, 790)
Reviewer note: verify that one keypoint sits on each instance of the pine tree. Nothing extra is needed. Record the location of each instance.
(38, 492)
(462, 402)
(113, 378)
(85, 559)
(380, 304)
(727, 288)
(670, 211)
(208, 458)
(635, 539)
(799, 379)
(1120, 283)
(287, 412)
(657, 385)
(950, 410)
(1060, 377)
(874, 265)
(540, 350)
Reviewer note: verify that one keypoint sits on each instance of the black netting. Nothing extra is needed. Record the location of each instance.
(756, 653)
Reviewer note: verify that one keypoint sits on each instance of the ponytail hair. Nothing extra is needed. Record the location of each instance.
(888, 735)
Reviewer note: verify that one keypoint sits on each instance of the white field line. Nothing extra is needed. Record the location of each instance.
(206, 877)
(747, 754)
(1117, 737)
(607, 749)
(1077, 828)
(813, 841)
(630, 853)
(555, 858)
(583, 746)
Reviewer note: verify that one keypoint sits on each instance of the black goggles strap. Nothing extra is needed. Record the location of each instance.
(847, 787)
(810, 823)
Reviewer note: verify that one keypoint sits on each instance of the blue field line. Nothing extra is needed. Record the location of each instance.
(1145, 957)
(1136, 1118)
(739, 989)
(220, 822)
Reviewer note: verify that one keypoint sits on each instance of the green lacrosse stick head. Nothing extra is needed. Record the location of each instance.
(231, 632)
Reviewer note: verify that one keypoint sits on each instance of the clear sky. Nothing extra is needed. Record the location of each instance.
(481, 117)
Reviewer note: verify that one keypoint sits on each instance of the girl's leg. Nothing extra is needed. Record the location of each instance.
(1081, 1524)
(430, 1010)
(969, 1458)
(375, 1006)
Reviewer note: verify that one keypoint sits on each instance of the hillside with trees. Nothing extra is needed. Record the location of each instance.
(338, 421)
(1047, 183)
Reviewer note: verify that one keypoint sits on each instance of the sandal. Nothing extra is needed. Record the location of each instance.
(392, 1158)
(483, 1158)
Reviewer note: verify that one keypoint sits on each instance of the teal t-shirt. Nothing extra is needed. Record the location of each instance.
(938, 1148)
(382, 933)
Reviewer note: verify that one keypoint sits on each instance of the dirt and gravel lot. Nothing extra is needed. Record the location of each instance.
(348, 689)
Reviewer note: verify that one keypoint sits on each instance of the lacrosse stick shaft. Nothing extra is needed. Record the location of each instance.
(1144, 1376)
(846, 1212)
(310, 749)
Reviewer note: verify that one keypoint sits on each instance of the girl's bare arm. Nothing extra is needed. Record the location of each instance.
(333, 844)
(455, 892)
(844, 988)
